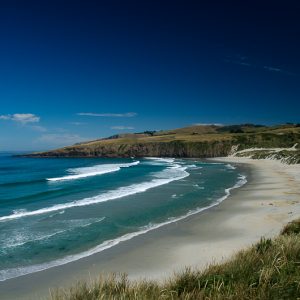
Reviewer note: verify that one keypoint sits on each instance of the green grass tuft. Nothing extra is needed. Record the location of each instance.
(292, 228)
(263, 245)
(269, 269)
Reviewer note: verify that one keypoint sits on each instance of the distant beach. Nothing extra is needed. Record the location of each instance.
(260, 208)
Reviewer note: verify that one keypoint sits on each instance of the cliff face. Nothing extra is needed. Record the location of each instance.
(196, 141)
(169, 149)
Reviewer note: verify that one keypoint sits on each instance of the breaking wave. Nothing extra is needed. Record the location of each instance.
(16, 272)
(77, 173)
(175, 172)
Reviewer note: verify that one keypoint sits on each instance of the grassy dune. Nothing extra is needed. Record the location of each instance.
(269, 269)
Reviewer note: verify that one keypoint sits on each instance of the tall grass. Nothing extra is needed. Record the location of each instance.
(269, 269)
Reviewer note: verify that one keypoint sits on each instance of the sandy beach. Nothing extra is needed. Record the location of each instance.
(270, 199)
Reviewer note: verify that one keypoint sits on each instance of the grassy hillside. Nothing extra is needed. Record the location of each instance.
(193, 141)
(269, 269)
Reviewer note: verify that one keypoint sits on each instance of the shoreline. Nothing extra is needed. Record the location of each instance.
(261, 207)
(108, 244)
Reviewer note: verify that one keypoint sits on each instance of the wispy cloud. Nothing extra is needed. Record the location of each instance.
(21, 118)
(38, 128)
(243, 61)
(278, 70)
(239, 60)
(208, 124)
(77, 123)
(124, 115)
(58, 139)
(121, 127)
(272, 69)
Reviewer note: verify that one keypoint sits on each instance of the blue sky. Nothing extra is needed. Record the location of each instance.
(80, 70)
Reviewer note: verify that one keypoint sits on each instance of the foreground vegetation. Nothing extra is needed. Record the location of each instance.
(268, 270)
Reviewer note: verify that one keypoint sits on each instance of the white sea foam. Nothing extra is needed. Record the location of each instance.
(159, 161)
(211, 163)
(194, 167)
(197, 186)
(22, 238)
(162, 159)
(93, 222)
(19, 211)
(16, 272)
(58, 213)
(166, 176)
(84, 172)
(230, 167)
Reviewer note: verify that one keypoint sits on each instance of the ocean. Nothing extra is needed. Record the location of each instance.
(57, 210)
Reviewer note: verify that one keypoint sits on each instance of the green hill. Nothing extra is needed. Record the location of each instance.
(192, 141)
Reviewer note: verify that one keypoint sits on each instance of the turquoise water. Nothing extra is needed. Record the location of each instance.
(53, 211)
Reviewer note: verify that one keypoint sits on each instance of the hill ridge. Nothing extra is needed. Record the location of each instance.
(192, 141)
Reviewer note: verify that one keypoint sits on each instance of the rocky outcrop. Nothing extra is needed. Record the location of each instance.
(164, 149)
(186, 142)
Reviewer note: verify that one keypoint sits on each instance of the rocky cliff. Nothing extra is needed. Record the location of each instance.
(195, 141)
(168, 149)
